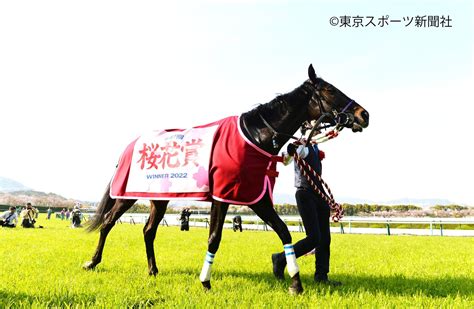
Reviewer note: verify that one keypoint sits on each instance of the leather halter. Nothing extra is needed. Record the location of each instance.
(335, 118)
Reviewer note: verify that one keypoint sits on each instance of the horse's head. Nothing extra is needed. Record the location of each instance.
(328, 99)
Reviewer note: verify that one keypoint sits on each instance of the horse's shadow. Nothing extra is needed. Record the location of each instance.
(397, 285)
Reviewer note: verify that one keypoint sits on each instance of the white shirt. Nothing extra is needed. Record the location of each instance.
(11, 219)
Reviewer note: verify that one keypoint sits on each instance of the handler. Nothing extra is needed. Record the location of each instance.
(314, 212)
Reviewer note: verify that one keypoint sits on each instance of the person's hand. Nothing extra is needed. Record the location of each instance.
(301, 150)
(291, 149)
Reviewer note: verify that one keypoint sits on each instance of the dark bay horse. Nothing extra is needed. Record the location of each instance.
(268, 126)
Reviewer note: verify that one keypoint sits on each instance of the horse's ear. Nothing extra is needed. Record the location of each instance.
(312, 74)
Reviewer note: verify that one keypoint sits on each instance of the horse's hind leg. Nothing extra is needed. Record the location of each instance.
(157, 211)
(113, 215)
(218, 212)
(264, 209)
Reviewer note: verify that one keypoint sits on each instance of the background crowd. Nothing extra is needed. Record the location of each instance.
(27, 216)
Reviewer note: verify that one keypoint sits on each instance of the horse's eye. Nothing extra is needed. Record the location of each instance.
(331, 90)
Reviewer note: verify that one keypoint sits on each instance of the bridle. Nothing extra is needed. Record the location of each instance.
(339, 120)
(334, 118)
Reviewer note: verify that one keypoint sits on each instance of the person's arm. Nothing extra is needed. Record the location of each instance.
(291, 149)
(301, 150)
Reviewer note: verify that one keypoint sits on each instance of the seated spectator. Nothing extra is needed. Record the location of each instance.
(28, 217)
(9, 218)
(76, 217)
(237, 223)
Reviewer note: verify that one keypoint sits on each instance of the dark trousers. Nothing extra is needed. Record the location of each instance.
(27, 223)
(237, 226)
(76, 221)
(185, 226)
(5, 224)
(314, 212)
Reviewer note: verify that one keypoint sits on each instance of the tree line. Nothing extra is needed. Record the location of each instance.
(287, 209)
(290, 209)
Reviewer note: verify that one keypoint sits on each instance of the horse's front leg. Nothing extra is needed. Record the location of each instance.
(157, 211)
(264, 209)
(218, 212)
(110, 218)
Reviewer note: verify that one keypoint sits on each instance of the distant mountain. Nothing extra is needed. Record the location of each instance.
(37, 198)
(15, 193)
(10, 185)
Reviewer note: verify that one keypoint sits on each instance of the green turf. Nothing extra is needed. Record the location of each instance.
(42, 268)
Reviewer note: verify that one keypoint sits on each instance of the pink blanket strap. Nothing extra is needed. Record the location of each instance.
(272, 173)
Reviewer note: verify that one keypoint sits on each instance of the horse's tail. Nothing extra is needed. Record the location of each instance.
(104, 207)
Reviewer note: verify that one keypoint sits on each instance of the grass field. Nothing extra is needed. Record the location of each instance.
(42, 268)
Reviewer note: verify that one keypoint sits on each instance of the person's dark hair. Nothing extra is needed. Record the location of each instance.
(12, 208)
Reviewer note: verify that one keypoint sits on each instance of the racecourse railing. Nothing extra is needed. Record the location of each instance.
(348, 225)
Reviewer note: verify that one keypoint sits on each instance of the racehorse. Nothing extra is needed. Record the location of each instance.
(267, 127)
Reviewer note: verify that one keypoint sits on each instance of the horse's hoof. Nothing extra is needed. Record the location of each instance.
(206, 285)
(153, 272)
(88, 265)
(295, 289)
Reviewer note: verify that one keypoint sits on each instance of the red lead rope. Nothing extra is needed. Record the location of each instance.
(304, 168)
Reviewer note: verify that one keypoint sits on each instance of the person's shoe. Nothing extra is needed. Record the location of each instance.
(328, 282)
(278, 266)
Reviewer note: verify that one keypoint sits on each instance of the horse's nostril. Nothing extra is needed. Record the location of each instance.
(365, 116)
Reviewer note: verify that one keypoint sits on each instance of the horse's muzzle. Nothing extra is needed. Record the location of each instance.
(361, 121)
(357, 127)
(365, 117)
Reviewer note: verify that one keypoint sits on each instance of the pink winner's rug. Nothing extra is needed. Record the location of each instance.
(212, 161)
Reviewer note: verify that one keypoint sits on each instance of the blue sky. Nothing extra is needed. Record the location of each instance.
(80, 80)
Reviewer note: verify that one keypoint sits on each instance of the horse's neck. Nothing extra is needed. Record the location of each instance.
(286, 121)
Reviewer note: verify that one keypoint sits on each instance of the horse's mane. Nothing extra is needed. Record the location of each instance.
(283, 103)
